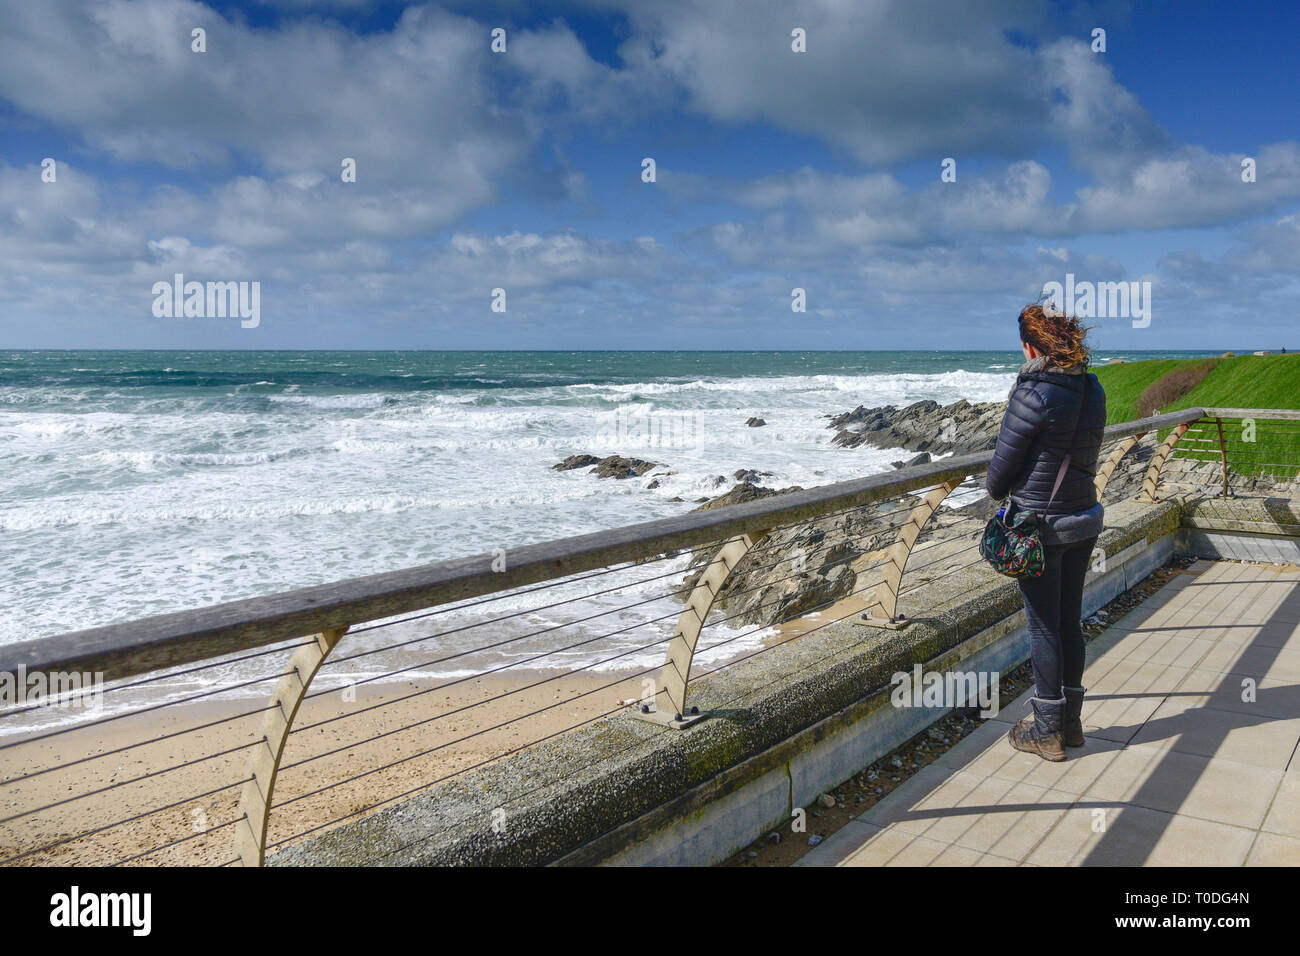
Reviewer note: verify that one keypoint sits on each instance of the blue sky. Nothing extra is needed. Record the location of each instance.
(521, 171)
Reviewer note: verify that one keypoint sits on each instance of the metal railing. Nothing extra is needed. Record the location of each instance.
(222, 733)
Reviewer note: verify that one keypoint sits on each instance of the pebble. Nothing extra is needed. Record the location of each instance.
(826, 800)
(814, 839)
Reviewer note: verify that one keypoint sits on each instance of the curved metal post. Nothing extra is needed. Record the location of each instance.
(883, 612)
(255, 799)
(681, 649)
(1112, 462)
(1152, 479)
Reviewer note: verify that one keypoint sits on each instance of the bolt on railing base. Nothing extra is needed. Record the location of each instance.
(666, 718)
(892, 623)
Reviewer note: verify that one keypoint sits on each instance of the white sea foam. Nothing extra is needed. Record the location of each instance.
(122, 507)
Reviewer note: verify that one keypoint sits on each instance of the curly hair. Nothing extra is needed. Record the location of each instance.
(1060, 337)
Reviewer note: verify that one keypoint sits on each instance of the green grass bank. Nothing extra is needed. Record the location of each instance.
(1242, 381)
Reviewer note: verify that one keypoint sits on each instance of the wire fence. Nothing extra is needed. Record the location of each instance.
(168, 765)
(1237, 454)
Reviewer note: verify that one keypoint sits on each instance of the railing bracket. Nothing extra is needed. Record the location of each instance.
(681, 649)
(883, 609)
(666, 718)
(1151, 481)
(892, 623)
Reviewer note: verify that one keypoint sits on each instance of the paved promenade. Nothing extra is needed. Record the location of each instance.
(1192, 724)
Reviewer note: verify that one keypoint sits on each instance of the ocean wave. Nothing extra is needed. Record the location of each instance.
(154, 460)
(44, 516)
(876, 381)
(265, 487)
(347, 400)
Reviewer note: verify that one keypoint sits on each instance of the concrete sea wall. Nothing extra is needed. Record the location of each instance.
(784, 726)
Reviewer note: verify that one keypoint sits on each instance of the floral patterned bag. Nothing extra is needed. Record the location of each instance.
(1012, 545)
(1011, 542)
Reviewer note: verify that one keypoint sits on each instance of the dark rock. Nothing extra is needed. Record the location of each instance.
(922, 426)
(575, 461)
(616, 466)
(921, 459)
(612, 466)
(745, 491)
(755, 423)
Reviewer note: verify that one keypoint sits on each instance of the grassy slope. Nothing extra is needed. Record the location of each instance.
(1247, 381)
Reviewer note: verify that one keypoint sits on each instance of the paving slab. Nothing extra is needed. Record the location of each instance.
(1192, 728)
(1273, 850)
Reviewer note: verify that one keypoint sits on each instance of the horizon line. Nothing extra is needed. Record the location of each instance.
(597, 351)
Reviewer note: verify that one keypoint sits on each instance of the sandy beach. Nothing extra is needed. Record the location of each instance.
(344, 758)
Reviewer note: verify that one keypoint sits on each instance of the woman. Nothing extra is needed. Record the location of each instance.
(1057, 410)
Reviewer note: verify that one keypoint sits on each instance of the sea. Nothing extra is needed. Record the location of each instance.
(134, 483)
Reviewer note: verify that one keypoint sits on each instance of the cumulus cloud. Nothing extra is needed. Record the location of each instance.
(1104, 126)
(414, 106)
(474, 172)
(1189, 186)
(884, 80)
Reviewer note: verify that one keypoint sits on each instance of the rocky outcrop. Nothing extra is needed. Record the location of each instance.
(922, 426)
(799, 569)
(616, 466)
(745, 491)
(755, 422)
(803, 568)
(575, 461)
(921, 459)
(613, 466)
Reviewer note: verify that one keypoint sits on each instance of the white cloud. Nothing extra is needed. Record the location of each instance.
(884, 80)
(249, 138)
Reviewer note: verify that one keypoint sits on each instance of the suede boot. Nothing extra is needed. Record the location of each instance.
(1040, 732)
(1072, 717)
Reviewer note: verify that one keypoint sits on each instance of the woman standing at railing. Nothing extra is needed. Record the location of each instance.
(1046, 461)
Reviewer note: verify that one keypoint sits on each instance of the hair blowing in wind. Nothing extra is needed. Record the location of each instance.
(1058, 336)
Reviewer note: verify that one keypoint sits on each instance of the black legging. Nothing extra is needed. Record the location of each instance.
(1053, 606)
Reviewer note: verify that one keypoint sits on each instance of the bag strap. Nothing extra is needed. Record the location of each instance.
(1078, 420)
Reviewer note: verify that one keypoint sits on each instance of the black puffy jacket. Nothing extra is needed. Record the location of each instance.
(1035, 437)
